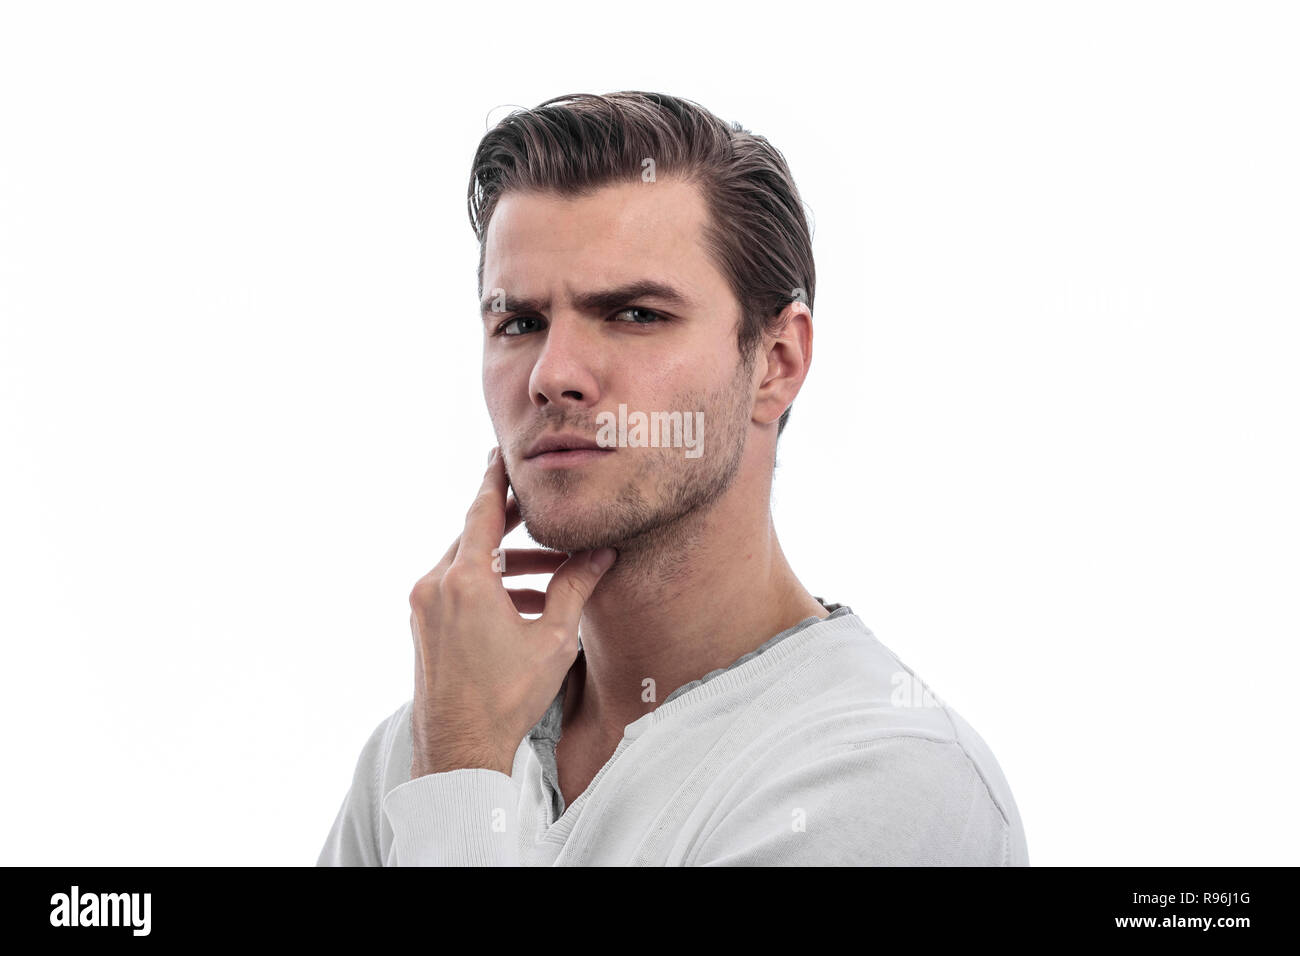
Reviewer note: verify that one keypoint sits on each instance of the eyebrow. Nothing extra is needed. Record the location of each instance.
(598, 302)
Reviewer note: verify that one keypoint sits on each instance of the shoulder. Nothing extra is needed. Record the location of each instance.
(885, 801)
(868, 747)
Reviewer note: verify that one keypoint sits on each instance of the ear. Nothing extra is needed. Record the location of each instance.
(785, 359)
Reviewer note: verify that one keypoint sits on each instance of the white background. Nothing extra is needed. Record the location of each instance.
(1046, 451)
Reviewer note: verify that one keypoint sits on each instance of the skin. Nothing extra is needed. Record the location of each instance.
(699, 577)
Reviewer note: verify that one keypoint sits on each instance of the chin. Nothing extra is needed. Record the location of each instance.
(561, 536)
(559, 522)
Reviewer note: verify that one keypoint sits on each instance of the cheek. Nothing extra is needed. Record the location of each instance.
(500, 381)
(667, 381)
(495, 392)
(687, 386)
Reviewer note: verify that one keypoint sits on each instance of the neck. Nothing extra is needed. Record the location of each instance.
(678, 604)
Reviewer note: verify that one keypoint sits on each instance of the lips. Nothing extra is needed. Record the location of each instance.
(562, 443)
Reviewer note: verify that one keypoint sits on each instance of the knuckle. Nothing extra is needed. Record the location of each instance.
(456, 582)
(420, 593)
(424, 594)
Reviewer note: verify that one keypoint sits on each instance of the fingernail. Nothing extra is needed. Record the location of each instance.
(602, 558)
(492, 455)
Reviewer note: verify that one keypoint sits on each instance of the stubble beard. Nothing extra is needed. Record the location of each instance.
(658, 512)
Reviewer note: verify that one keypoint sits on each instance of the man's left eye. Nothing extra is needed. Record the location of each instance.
(656, 316)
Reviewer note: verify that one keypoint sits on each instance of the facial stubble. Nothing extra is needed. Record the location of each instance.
(659, 509)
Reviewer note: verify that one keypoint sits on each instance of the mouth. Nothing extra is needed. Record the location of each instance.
(557, 442)
(567, 457)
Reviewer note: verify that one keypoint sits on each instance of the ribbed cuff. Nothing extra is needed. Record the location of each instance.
(462, 817)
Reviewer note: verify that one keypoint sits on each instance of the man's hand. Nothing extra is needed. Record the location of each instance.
(484, 675)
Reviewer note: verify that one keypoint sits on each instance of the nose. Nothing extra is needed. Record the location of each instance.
(565, 373)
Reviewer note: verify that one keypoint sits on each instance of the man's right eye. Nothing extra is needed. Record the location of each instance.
(501, 329)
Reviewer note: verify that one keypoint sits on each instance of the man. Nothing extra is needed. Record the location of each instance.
(637, 253)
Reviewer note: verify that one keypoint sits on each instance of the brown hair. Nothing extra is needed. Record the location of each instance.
(571, 145)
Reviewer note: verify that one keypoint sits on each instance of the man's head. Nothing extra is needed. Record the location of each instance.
(589, 195)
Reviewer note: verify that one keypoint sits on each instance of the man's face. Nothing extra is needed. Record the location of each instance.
(552, 363)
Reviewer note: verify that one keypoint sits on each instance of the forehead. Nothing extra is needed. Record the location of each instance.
(615, 233)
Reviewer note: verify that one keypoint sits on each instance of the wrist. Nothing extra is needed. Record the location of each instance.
(445, 760)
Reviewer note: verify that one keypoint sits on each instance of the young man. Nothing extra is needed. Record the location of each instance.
(646, 279)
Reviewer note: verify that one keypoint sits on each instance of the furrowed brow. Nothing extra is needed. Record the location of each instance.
(598, 302)
(606, 300)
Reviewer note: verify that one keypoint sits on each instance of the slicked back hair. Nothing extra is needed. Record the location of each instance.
(570, 146)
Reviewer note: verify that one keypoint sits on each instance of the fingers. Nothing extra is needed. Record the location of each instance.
(527, 601)
(532, 561)
(572, 585)
(485, 524)
(513, 518)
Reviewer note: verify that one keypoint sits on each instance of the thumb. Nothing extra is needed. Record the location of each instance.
(571, 586)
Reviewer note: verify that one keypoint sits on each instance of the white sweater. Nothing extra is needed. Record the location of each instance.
(819, 748)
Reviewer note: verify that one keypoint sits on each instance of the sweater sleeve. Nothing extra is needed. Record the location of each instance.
(893, 801)
(456, 818)
(461, 817)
